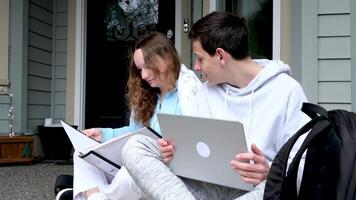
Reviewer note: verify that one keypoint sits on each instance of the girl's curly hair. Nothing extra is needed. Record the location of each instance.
(142, 97)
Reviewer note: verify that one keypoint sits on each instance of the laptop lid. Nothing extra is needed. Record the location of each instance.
(204, 148)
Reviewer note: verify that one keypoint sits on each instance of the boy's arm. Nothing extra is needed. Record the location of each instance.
(253, 166)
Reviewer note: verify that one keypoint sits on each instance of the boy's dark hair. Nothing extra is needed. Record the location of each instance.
(222, 30)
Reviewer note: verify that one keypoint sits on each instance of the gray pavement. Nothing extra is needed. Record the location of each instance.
(30, 182)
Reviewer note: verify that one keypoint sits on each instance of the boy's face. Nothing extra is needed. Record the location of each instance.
(206, 64)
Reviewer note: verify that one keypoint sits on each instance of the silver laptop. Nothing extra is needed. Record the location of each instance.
(204, 148)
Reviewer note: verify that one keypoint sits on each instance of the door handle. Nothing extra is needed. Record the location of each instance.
(185, 25)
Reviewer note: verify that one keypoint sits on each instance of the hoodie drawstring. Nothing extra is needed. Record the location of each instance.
(225, 102)
(249, 112)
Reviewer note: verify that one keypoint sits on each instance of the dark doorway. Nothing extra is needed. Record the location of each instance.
(112, 28)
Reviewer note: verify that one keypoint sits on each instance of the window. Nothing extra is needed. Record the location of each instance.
(259, 14)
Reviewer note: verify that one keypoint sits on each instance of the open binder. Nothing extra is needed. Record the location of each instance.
(107, 155)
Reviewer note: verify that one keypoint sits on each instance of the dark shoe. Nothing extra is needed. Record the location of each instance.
(65, 194)
(62, 182)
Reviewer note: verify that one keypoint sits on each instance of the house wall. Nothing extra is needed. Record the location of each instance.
(40, 62)
(353, 54)
(47, 61)
(18, 61)
(334, 54)
(60, 60)
(37, 71)
(4, 42)
(322, 47)
(71, 60)
(4, 47)
(4, 110)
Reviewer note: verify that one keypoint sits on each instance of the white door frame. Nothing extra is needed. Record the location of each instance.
(80, 59)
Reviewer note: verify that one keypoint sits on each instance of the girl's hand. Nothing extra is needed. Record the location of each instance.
(166, 149)
(94, 133)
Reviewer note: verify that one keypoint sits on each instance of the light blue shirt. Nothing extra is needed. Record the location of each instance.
(169, 104)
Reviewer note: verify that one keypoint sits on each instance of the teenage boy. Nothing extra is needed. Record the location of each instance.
(259, 93)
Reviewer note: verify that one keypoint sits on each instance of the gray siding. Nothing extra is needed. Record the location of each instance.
(40, 62)
(47, 61)
(334, 54)
(38, 68)
(4, 111)
(60, 60)
(353, 53)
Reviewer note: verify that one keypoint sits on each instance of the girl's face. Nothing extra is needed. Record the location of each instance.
(147, 74)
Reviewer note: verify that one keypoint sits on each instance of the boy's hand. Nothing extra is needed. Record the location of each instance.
(94, 133)
(166, 149)
(251, 172)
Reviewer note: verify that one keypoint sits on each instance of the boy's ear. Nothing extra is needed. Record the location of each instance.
(221, 54)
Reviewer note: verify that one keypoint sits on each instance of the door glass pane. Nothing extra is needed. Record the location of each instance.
(112, 28)
(259, 14)
(129, 19)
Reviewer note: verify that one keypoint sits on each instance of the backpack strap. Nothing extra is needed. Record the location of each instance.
(312, 110)
(290, 186)
(275, 179)
(279, 182)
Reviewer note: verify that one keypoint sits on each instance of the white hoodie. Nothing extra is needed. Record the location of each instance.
(269, 106)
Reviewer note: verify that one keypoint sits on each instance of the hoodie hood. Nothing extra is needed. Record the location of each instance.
(270, 69)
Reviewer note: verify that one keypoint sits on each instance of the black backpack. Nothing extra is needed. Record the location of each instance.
(330, 163)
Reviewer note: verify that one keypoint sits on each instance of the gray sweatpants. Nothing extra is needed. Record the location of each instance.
(143, 161)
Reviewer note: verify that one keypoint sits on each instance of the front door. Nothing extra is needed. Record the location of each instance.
(112, 28)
